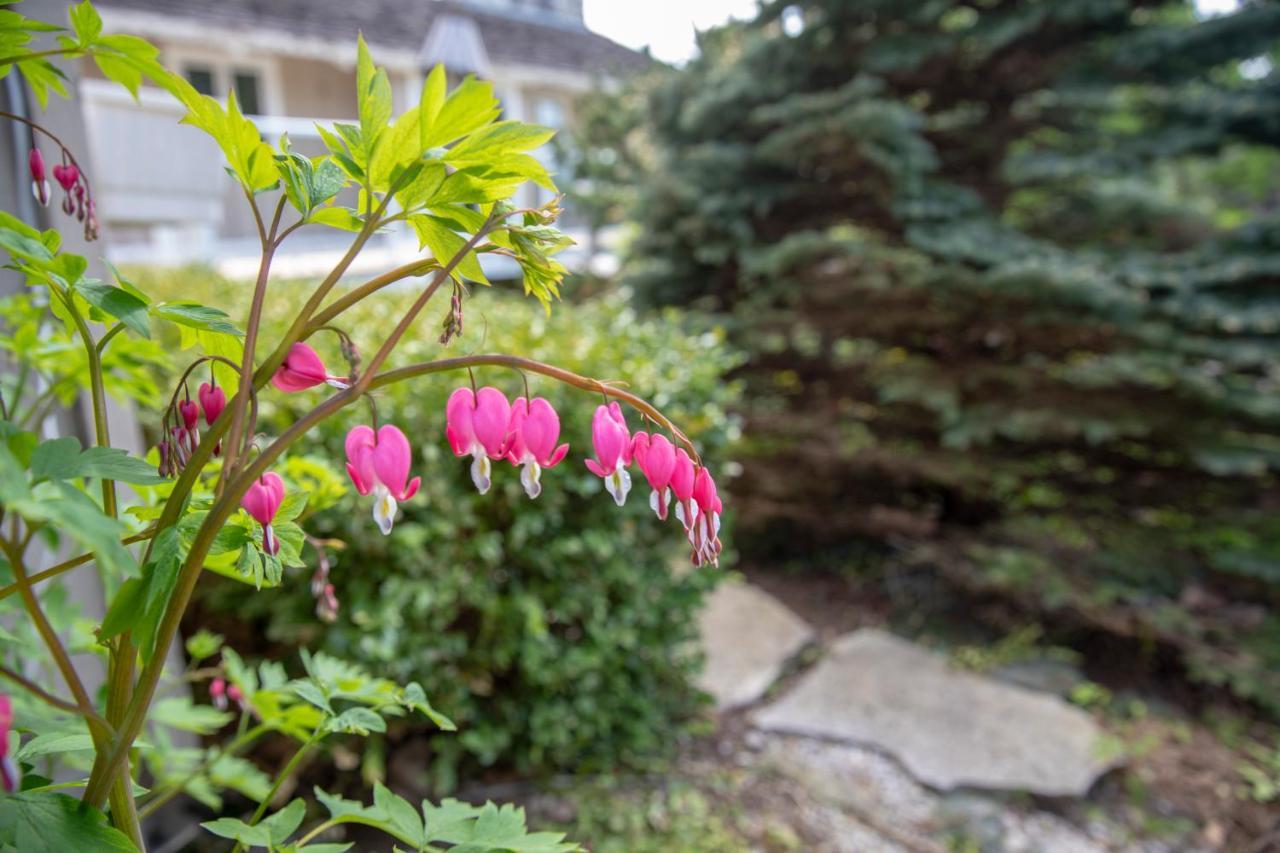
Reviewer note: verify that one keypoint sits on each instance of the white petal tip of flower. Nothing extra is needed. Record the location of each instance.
(531, 479)
(338, 383)
(384, 512)
(618, 484)
(480, 474)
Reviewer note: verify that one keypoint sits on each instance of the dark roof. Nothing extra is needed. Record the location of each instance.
(513, 38)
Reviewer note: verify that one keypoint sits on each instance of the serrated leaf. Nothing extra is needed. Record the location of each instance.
(47, 822)
(196, 316)
(180, 712)
(117, 302)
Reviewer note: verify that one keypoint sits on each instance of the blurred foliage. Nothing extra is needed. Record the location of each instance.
(556, 633)
(1008, 273)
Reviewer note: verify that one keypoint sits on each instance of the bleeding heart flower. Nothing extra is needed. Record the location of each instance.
(262, 501)
(532, 434)
(704, 533)
(190, 413)
(213, 400)
(476, 425)
(682, 479)
(612, 441)
(66, 176)
(39, 185)
(303, 369)
(656, 457)
(379, 463)
(10, 775)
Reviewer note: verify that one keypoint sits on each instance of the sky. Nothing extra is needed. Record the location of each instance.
(666, 26)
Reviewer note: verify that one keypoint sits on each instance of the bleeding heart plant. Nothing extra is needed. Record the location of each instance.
(243, 514)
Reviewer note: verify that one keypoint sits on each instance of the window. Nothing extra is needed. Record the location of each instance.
(200, 78)
(247, 84)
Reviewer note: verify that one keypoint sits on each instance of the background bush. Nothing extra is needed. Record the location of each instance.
(556, 632)
(1008, 274)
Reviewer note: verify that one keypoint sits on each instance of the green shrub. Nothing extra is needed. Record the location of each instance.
(557, 632)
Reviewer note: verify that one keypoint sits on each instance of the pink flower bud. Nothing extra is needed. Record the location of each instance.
(656, 457)
(190, 413)
(213, 400)
(303, 369)
(66, 176)
(39, 185)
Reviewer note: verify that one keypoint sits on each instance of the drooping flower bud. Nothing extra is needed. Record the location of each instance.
(190, 413)
(39, 184)
(302, 369)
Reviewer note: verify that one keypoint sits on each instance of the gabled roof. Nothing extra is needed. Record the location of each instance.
(517, 39)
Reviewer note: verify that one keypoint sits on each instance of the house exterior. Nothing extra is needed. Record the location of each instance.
(292, 62)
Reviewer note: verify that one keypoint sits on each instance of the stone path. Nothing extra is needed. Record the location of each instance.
(905, 752)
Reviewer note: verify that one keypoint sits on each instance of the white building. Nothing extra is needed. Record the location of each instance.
(292, 62)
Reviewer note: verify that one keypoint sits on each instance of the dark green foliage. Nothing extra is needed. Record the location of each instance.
(1010, 273)
(557, 633)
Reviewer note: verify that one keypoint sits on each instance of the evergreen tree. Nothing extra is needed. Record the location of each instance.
(1010, 271)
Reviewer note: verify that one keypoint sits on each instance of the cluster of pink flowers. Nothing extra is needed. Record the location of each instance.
(76, 200)
(223, 694)
(486, 426)
(669, 470)
(184, 436)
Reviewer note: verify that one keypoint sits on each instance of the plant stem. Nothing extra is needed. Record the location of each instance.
(519, 363)
(373, 285)
(281, 777)
(68, 565)
(39, 691)
(240, 405)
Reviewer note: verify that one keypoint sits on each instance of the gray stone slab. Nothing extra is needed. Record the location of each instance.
(748, 635)
(949, 728)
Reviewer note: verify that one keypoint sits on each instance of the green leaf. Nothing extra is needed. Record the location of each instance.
(54, 743)
(117, 302)
(180, 712)
(62, 459)
(21, 240)
(358, 721)
(398, 147)
(437, 235)
(337, 217)
(250, 158)
(85, 22)
(203, 644)
(140, 603)
(498, 140)
(196, 316)
(400, 814)
(272, 831)
(468, 108)
(373, 98)
(47, 822)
